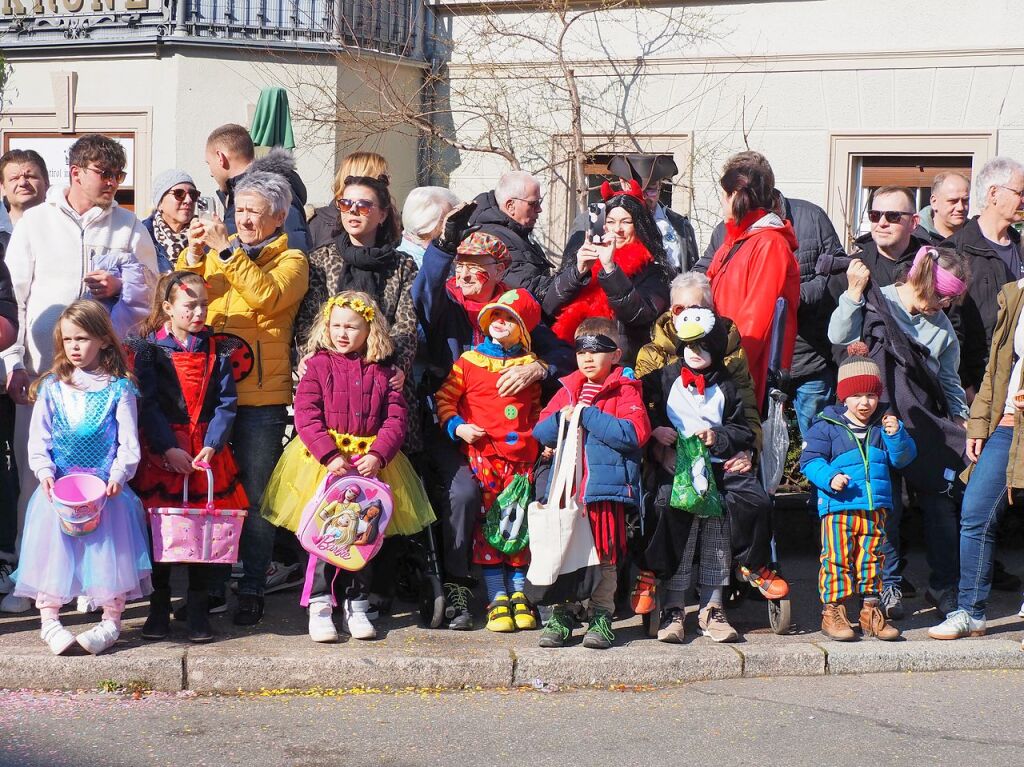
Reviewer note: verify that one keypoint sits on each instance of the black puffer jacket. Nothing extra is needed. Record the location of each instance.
(975, 319)
(816, 237)
(281, 162)
(530, 268)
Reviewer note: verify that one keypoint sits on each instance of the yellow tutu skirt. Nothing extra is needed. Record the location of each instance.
(298, 475)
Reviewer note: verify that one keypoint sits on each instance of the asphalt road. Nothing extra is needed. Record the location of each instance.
(922, 719)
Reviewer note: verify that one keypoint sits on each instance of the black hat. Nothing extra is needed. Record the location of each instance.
(645, 169)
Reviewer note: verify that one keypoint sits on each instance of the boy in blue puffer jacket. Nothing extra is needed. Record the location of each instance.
(847, 454)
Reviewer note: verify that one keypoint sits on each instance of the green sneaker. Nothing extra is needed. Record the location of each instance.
(557, 630)
(599, 634)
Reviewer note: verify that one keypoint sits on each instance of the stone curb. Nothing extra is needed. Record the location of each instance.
(655, 665)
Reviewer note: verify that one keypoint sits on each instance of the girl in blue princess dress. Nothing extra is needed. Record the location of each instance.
(84, 421)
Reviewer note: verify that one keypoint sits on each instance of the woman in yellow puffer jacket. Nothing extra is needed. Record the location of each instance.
(255, 284)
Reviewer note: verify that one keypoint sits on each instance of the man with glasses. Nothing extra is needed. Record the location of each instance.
(510, 213)
(947, 212)
(993, 246)
(890, 246)
(78, 244)
(230, 154)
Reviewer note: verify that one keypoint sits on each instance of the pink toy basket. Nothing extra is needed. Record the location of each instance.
(78, 500)
(204, 535)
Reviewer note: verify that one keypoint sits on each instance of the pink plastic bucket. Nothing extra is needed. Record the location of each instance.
(204, 535)
(78, 500)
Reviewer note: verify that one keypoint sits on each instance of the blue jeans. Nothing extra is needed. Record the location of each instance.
(811, 396)
(985, 502)
(941, 533)
(257, 442)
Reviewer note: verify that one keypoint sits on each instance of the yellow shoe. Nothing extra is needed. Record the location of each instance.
(523, 613)
(499, 618)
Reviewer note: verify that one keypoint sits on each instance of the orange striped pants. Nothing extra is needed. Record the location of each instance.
(851, 554)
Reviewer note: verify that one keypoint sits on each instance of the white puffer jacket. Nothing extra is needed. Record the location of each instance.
(51, 251)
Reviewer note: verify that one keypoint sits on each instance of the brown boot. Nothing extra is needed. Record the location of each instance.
(872, 621)
(835, 624)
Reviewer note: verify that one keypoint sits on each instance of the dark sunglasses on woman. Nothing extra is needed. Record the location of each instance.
(181, 194)
(359, 207)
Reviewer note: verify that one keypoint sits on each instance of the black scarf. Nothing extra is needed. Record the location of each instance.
(365, 268)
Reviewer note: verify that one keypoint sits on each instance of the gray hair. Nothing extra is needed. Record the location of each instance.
(514, 184)
(272, 187)
(424, 208)
(695, 281)
(996, 172)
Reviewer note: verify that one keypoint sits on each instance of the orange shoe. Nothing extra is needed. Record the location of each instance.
(768, 582)
(642, 598)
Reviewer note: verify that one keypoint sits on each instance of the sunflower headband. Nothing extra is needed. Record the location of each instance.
(358, 305)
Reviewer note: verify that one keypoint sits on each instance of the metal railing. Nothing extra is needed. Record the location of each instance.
(388, 26)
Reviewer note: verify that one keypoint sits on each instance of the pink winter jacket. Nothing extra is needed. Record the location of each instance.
(346, 394)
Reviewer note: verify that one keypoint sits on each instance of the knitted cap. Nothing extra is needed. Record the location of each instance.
(523, 308)
(166, 180)
(483, 244)
(858, 373)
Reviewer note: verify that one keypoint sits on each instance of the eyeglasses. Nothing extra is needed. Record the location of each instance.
(530, 203)
(892, 216)
(472, 266)
(109, 175)
(359, 207)
(1018, 192)
(181, 194)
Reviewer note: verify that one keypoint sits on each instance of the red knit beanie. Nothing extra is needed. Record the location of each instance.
(858, 373)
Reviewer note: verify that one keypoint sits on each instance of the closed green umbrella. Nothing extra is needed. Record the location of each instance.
(272, 123)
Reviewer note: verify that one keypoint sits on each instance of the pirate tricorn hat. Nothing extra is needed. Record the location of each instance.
(645, 169)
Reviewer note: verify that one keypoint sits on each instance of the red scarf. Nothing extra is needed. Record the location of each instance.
(591, 301)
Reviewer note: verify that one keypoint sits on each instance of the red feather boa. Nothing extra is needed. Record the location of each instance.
(591, 301)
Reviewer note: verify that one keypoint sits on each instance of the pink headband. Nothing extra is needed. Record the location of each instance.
(947, 284)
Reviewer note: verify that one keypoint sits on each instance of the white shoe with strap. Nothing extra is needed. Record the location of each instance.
(100, 637)
(57, 638)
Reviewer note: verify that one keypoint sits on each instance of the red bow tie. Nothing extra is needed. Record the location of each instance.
(692, 379)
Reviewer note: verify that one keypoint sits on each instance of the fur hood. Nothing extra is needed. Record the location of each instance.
(280, 161)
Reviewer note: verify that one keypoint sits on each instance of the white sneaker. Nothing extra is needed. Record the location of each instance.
(321, 624)
(6, 583)
(1020, 613)
(281, 577)
(58, 638)
(356, 621)
(958, 624)
(100, 637)
(13, 604)
(85, 605)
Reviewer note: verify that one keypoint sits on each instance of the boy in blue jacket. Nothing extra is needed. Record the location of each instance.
(847, 454)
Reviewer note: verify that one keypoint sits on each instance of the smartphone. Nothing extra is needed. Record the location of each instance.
(596, 211)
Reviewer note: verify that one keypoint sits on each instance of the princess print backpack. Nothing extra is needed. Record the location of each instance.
(344, 523)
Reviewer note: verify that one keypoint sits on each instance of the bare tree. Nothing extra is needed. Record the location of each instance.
(542, 90)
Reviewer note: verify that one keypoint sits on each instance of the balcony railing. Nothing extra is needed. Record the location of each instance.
(388, 26)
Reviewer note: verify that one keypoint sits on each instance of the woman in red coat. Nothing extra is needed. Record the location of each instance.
(755, 264)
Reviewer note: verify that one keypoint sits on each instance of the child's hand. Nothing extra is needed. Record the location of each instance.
(469, 433)
(839, 482)
(178, 461)
(338, 465)
(47, 484)
(707, 437)
(664, 435)
(368, 465)
(203, 456)
(891, 424)
(547, 453)
(566, 411)
(113, 488)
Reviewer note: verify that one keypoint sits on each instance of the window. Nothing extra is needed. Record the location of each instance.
(916, 172)
(862, 162)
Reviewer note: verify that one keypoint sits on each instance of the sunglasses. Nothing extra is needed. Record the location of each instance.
(108, 175)
(181, 194)
(892, 216)
(359, 207)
